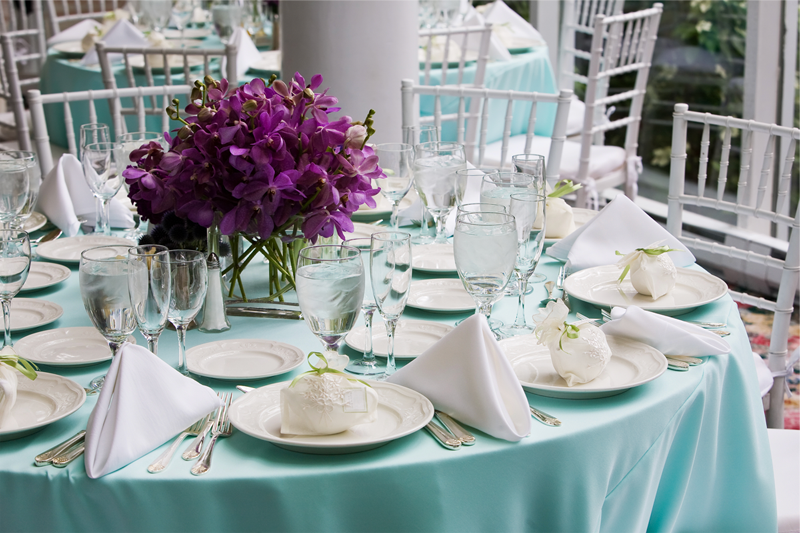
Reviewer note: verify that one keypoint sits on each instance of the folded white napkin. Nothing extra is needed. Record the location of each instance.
(621, 225)
(144, 402)
(247, 55)
(513, 30)
(497, 50)
(467, 376)
(668, 335)
(74, 33)
(123, 33)
(64, 196)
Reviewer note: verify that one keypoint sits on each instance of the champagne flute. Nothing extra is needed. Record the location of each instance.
(189, 283)
(227, 16)
(368, 364)
(14, 190)
(102, 169)
(94, 132)
(150, 288)
(15, 261)
(182, 14)
(330, 290)
(528, 210)
(34, 181)
(130, 142)
(396, 160)
(415, 135)
(157, 13)
(104, 289)
(390, 274)
(435, 166)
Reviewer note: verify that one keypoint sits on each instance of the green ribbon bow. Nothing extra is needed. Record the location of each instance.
(323, 370)
(564, 187)
(655, 251)
(27, 368)
(571, 331)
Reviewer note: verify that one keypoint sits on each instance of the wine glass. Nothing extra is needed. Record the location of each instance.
(465, 176)
(396, 160)
(94, 132)
(157, 13)
(150, 288)
(189, 283)
(131, 141)
(532, 164)
(390, 274)
(415, 135)
(226, 16)
(485, 249)
(368, 364)
(330, 289)
(528, 210)
(34, 181)
(104, 289)
(14, 190)
(435, 166)
(15, 261)
(182, 11)
(102, 168)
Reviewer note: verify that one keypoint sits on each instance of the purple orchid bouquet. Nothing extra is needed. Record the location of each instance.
(263, 161)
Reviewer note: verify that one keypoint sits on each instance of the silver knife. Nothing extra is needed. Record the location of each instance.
(443, 437)
(466, 438)
(263, 312)
(65, 458)
(46, 458)
(544, 418)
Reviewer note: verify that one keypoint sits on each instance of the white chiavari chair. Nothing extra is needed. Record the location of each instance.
(448, 39)
(63, 13)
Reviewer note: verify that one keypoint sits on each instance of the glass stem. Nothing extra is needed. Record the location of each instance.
(114, 345)
(7, 322)
(523, 286)
(395, 220)
(152, 343)
(181, 329)
(390, 327)
(103, 225)
(440, 219)
(485, 309)
(369, 355)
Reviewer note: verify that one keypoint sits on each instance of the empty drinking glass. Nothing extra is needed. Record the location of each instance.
(474, 176)
(396, 160)
(156, 13)
(94, 132)
(532, 164)
(149, 284)
(227, 16)
(368, 364)
(435, 166)
(34, 181)
(189, 283)
(102, 168)
(182, 11)
(15, 261)
(415, 135)
(14, 190)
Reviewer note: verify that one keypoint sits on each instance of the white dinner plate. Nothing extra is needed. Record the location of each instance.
(383, 209)
(632, 364)
(243, 359)
(29, 313)
(34, 222)
(270, 62)
(442, 295)
(77, 346)
(70, 48)
(188, 33)
(598, 286)
(433, 258)
(401, 411)
(365, 231)
(580, 216)
(175, 63)
(69, 249)
(411, 338)
(42, 275)
(40, 402)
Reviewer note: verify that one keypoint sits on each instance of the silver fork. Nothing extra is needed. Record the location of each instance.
(222, 428)
(196, 446)
(562, 275)
(164, 459)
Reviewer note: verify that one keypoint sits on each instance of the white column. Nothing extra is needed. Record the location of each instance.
(363, 49)
(545, 16)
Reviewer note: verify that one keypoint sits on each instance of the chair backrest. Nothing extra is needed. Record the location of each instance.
(461, 37)
(37, 101)
(763, 208)
(481, 101)
(62, 13)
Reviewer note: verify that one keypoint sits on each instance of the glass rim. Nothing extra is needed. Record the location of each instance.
(127, 136)
(521, 195)
(96, 146)
(462, 219)
(528, 157)
(104, 259)
(196, 253)
(508, 179)
(94, 126)
(383, 236)
(161, 249)
(482, 205)
(27, 154)
(333, 260)
(14, 164)
(441, 146)
(483, 171)
(394, 147)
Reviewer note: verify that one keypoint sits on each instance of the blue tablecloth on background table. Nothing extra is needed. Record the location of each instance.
(686, 452)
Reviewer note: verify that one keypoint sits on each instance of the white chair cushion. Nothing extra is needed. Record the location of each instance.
(577, 109)
(785, 447)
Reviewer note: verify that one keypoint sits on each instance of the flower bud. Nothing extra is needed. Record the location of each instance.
(204, 114)
(197, 94)
(184, 133)
(308, 93)
(171, 111)
(250, 105)
(355, 136)
(208, 80)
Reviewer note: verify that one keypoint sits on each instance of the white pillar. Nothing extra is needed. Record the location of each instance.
(363, 49)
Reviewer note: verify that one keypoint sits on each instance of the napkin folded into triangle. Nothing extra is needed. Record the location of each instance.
(64, 196)
(466, 375)
(123, 33)
(247, 54)
(497, 50)
(668, 335)
(514, 31)
(76, 32)
(143, 403)
(621, 225)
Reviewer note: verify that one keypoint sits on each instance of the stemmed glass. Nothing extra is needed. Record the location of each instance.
(189, 283)
(150, 287)
(528, 210)
(396, 161)
(390, 274)
(181, 14)
(227, 16)
(129, 142)
(330, 290)
(15, 261)
(485, 248)
(467, 175)
(415, 135)
(435, 166)
(34, 181)
(94, 132)
(368, 364)
(157, 13)
(104, 289)
(532, 164)
(14, 190)
(102, 168)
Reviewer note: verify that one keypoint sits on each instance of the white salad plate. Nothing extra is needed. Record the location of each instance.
(188, 33)
(34, 222)
(29, 313)
(411, 338)
(441, 295)
(70, 48)
(433, 258)
(270, 62)
(383, 207)
(78, 346)
(365, 231)
(243, 359)
(580, 216)
(599, 286)
(632, 364)
(401, 411)
(42, 275)
(69, 249)
(41, 402)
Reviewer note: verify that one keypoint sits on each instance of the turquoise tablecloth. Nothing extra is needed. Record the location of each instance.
(686, 452)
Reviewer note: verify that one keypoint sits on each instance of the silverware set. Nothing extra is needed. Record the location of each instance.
(450, 434)
(544, 418)
(64, 453)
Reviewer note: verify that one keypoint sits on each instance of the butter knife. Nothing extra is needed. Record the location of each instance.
(263, 312)
(544, 418)
(63, 459)
(46, 458)
(466, 438)
(443, 437)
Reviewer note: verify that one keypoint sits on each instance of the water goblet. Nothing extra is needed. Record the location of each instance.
(14, 190)
(182, 11)
(390, 276)
(415, 135)
(94, 132)
(528, 210)
(532, 164)
(34, 181)
(104, 290)
(102, 168)
(396, 161)
(157, 13)
(368, 364)
(330, 290)
(15, 261)
(467, 176)
(189, 283)
(150, 288)
(435, 166)
(226, 16)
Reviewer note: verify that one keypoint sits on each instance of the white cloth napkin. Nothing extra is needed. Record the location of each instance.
(467, 376)
(497, 50)
(143, 403)
(513, 30)
(668, 335)
(621, 225)
(123, 33)
(247, 54)
(74, 33)
(64, 196)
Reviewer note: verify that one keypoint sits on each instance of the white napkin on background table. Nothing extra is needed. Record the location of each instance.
(668, 335)
(497, 50)
(74, 33)
(64, 196)
(143, 403)
(123, 33)
(513, 30)
(467, 376)
(621, 225)
(246, 56)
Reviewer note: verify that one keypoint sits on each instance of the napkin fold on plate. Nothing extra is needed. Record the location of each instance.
(247, 54)
(143, 403)
(621, 225)
(123, 33)
(668, 335)
(75, 32)
(513, 30)
(64, 196)
(466, 375)
(497, 50)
